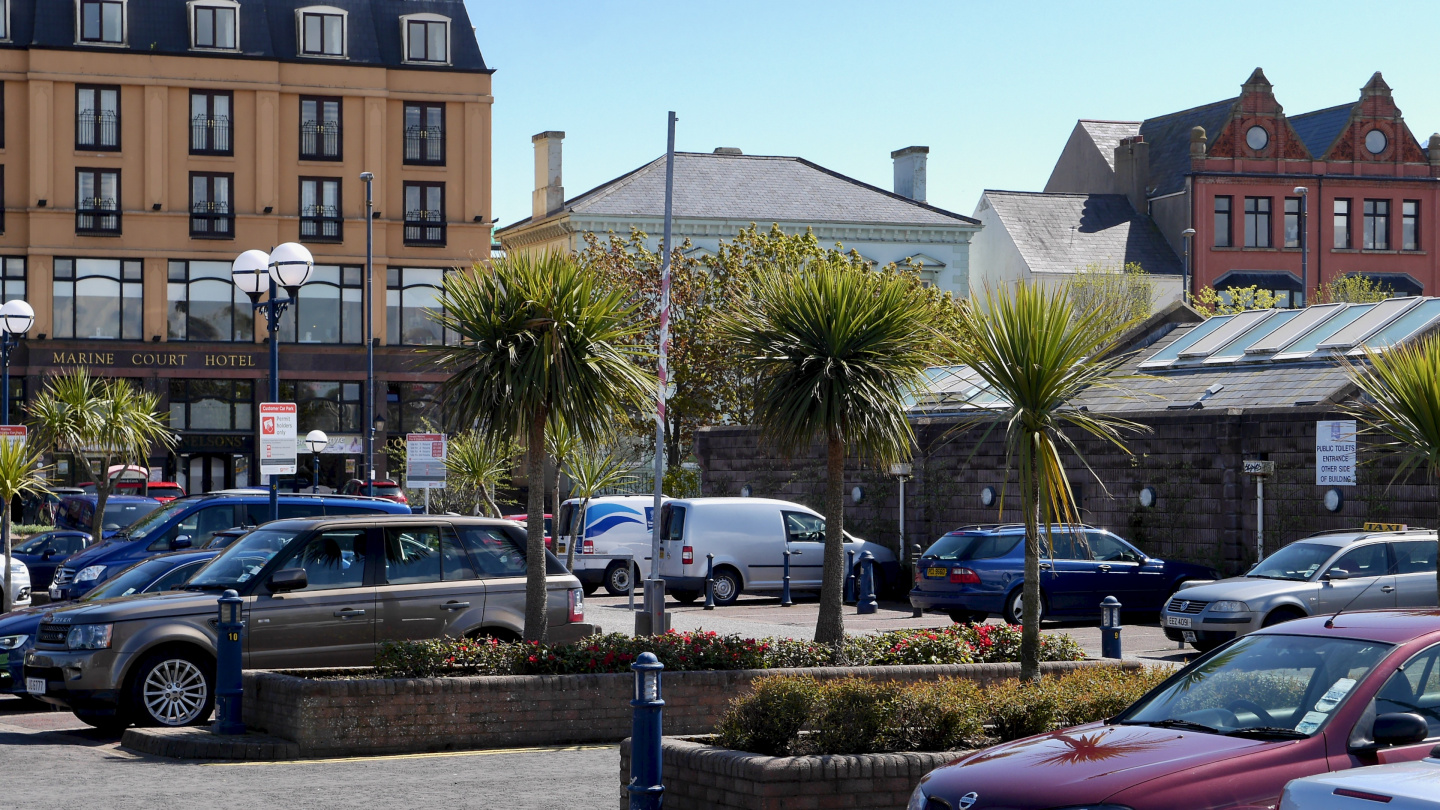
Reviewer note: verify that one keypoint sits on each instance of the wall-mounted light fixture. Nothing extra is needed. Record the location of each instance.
(269, 209)
(1147, 497)
(987, 496)
(155, 206)
(1334, 499)
(41, 204)
(857, 494)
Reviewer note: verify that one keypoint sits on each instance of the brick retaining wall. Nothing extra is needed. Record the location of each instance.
(355, 716)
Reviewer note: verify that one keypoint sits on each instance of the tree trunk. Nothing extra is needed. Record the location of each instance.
(555, 508)
(537, 600)
(494, 508)
(97, 520)
(5, 605)
(830, 625)
(1030, 620)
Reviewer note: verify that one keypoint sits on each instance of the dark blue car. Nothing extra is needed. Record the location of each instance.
(977, 571)
(121, 512)
(191, 522)
(17, 628)
(44, 552)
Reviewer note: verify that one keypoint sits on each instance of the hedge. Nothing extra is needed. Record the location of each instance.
(704, 650)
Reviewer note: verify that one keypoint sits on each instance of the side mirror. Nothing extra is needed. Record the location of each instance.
(294, 579)
(182, 541)
(49, 553)
(1400, 728)
(1337, 573)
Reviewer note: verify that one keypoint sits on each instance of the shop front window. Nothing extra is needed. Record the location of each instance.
(212, 404)
(411, 407)
(334, 407)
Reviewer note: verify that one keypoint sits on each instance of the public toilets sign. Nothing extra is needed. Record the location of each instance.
(1335, 453)
(278, 428)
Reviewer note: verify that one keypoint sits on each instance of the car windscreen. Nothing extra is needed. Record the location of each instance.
(33, 545)
(1262, 686)
(156, 520)
(967, 546)
(118, 515)
(132, 580)
(1297, 561)
(384, 490)
(243, 559)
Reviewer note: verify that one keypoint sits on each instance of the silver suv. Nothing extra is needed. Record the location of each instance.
(1326, 573)
(318, 593)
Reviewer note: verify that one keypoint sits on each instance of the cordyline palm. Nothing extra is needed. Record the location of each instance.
(99, 419)
(538, 341)
(476, 461)
(591, 472)
(1037, 353)
(837, 352)
(20, 474)
(1401, 388)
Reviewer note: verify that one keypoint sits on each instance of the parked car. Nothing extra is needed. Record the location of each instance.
(748, 537)
(162, 491)
(191, 522)
(1400, 786)
(1324, 573)
(19, 594)
(1232, 728)
(18, 628)
(615, 525)
(318, 593)
(76, 511)
(389, 490)
(524, 520)
(40, 508)
(977, 571)
(44, 552)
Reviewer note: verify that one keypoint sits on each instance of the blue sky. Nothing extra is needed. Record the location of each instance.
(992, 88)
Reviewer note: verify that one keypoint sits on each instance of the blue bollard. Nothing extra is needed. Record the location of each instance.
(709, 581)
(228, 688)
(1110, 628)
(850, 577)
(867, 603)
(647, 789)
(785, 583)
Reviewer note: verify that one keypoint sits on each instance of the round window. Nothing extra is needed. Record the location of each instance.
(1256, 138)
(1375, 141)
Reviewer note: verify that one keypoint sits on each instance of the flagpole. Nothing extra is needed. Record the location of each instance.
(656, 602)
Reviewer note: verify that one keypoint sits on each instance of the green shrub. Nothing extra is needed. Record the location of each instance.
(769, 719)
(856, 716)
(944, 715)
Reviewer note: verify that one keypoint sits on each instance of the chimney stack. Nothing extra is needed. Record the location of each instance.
(1132, 171)
(549, 194)
(910, 171)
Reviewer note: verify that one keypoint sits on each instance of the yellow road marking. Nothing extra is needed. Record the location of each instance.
(433, 755)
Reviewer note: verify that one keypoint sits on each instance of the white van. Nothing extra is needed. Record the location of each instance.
(749, 537)
(614, 525)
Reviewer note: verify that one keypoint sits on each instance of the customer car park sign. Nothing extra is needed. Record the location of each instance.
(278, 428)
(1335, 453)
(425, 460)
(12, 433)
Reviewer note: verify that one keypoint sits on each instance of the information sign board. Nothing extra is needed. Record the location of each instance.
(1258, 467)
(12, 433)
(1335, 452)
(425, 460)
(279, 425)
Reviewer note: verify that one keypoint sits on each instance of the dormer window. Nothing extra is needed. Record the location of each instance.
(322, 31)
(102, 21)
(214, 25)
(427, 38)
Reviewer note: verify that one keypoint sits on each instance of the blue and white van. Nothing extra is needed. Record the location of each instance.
(614, 526)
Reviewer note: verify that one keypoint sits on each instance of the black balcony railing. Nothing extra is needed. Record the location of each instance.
(97, 215)
(425, 145)
(97, 130)
(320, 223)
(210, 135)
(212, 220)
(320, 140)
(424, 228)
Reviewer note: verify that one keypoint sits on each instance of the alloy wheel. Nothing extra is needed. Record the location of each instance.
(175, 692)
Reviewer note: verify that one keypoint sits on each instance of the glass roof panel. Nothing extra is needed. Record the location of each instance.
(1238, 325)
(1168, 355)
(1307, 343)
(1237, 348)
(1414, 320)
(1382, 314)
(1294, 328)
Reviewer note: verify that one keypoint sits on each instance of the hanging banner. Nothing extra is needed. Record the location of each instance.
(425, 460)
(279, 423)
(1335, 453)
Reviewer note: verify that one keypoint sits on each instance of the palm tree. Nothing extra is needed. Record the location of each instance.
(1401, 400)
(1036, 353)
(20, 474)
(590, 473)
(538, 340)
(474, 461)
(99, 419)
(837, 350)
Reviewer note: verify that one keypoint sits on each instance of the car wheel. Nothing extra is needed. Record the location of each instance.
(1281, 615)
(966, 617)
(685, 597)
(172, 688)
(1205, 646)
(589, 589)
(1015, 604)
(106, 723)
(727, 586)
(619, 578)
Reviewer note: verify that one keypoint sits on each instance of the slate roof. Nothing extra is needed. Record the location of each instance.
(754, 188)
(1106, 135)
(1319, 129)
(1169, 138)
(1058, 233)
(267, 30)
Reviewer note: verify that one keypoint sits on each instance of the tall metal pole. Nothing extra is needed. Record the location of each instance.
(663, 378)
(1304, 243)
(369, 307)
(1259, 518)
(5, 345)
(272, 319)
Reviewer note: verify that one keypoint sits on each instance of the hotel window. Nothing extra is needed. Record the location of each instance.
(102, 21)
(412, 302)
(2, 105)
(329, 308)
(1409, 224)
(334, 407)
(319, 128)
(1377, 225)
(1223, 230)
(2, 199)
(320, 209)
(1257, 222)
(211, 126)
(101, 299)
(12, 278)
(1342, 225)
(212, 404)
(409, 407)
(4, 19)
(97, 201)
(212, 209)
(1292, 222)
(425, 214)
(322, 31)
(425, 134)
(427, 38)
(97, 118)
(214, 26)
(205, 304)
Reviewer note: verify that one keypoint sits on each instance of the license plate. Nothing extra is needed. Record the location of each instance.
(1178, 621)
(1188, 635)
(937, 573)
(35, 686)
(54, 594)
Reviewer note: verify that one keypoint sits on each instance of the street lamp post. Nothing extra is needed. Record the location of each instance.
(316, 441)
(1304, 242)
(287, 266)
(368, 304)
(16, 318)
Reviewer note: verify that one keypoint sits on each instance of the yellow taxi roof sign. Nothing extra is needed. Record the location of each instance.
(1385, 527)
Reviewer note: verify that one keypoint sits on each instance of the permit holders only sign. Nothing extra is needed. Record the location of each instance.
(279, 424)
(1335, 453)
(425, 460)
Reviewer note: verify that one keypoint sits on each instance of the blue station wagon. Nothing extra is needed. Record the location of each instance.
(976, 571)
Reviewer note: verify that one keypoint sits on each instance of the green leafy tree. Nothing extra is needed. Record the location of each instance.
(475, 462)
(1232, 300)
(561, 443)
(837, 350)
(539, 340)
(1352, 289)
(1036, 352)
(591, 472)
(1127, 293)
(103, 422)
(20, 474)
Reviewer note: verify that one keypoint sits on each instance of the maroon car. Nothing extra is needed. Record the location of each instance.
(1229, 730)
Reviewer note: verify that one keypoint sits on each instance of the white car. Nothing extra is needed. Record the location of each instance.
(1397, 786)
(19, 584)
(615, 525)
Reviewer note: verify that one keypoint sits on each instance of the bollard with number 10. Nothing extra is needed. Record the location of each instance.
(229, 690)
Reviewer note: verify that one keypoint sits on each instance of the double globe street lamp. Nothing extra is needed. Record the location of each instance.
(16, 318)
(255, 273)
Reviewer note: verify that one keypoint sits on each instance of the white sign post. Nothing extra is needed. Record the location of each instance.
(279, 426)
(1335, 453)
(425, 463)
(1259, 469)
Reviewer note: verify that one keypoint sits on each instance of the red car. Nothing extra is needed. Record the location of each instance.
(1228, 731)
(549, 526)
(389, 490)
